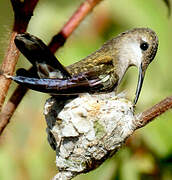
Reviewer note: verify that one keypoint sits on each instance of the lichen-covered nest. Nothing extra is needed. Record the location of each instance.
(87, 131)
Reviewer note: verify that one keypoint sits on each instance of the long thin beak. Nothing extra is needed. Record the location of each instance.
(139, 84)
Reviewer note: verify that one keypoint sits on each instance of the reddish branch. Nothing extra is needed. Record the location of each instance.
(57, 41)
(23, 11)
(8, 67)
(154, 111)
(10, 107)
(84, 9)
(22, 14)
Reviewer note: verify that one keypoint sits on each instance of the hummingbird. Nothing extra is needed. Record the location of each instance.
(100, 72)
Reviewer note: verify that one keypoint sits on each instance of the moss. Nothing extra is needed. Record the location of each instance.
(99, 129)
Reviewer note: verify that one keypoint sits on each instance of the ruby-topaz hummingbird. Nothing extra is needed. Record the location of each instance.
(102, 71)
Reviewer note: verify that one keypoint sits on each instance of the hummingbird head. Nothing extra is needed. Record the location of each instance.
(148, 47)
(139, 47)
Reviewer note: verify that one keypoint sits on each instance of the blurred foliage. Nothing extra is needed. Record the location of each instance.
(25, 153)
(168, 4)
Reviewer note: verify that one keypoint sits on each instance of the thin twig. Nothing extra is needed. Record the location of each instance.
(58, 40)
(155, 111)
(23, 11)
(8, 67)
(84, 9)
(22, 15)
(11, 106)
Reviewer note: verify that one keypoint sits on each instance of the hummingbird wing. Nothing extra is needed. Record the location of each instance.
(40, 56)
(71, 86)
(81, 83)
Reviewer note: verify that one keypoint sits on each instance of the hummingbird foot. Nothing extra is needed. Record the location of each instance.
(7, 76)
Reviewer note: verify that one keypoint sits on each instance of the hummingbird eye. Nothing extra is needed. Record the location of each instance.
(144, 46)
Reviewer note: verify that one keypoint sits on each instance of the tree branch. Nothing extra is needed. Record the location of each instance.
(84, 9)
(153, 112)
(8, 66)
(10, 107)
(23, 11)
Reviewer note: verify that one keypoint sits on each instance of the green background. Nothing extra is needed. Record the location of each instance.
(24, 150)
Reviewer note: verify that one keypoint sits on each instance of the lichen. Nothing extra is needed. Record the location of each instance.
(99, 129)
(91, 129)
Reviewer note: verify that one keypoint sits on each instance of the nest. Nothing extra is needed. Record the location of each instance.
(87, 130)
